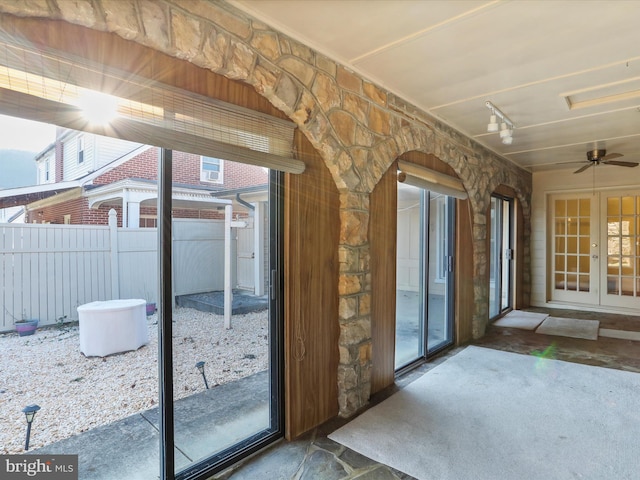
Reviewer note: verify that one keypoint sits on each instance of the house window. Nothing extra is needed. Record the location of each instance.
(67, 219)
(211, 170)
(47, 169)
(80, 149)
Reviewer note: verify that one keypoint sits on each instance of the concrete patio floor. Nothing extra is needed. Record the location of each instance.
(206, 422)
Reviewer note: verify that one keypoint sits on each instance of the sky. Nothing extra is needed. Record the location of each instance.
(19, 134)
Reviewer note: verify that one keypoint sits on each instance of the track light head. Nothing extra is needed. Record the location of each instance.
(493, 126)
(505, 127)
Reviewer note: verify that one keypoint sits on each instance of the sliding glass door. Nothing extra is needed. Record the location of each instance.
(500, 255)
(225, 339)
(424, 306)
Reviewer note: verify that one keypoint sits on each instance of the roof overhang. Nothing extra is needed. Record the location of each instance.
(12, 197)
(145, 192)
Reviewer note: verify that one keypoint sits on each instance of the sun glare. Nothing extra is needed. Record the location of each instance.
(98, 108)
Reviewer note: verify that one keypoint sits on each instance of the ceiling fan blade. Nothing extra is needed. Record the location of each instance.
(621, 164)
(582, 169)
(611, 156)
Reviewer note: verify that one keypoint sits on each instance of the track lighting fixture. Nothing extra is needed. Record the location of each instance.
(505, 127)
(492, 127)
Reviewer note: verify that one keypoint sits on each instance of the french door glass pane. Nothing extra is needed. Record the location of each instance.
(623, 237)
(572, 234)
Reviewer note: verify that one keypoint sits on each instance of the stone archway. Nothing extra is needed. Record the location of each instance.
(358, 127)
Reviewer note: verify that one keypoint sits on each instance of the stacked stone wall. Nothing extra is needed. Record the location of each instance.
(358, 128)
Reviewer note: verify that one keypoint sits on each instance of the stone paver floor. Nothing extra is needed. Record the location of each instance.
(314, 456)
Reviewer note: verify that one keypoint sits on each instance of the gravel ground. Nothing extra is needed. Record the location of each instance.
(77, 393)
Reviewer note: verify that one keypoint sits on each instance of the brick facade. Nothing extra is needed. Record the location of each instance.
(78, 209)
(186, 171)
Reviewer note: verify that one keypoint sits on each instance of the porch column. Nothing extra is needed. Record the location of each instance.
(133, 217)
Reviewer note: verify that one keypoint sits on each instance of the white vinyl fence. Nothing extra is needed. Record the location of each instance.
(47, 271)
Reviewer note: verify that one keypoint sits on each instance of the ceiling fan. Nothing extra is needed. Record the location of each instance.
(596, 157)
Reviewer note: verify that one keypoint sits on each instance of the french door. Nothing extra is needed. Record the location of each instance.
(620, 233)
(595, 249)
(500, 255)
(424, 307)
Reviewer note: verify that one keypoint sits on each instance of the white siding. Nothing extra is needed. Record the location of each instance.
(41, 176)
(72, 169)
(41, 166)
(108, 149)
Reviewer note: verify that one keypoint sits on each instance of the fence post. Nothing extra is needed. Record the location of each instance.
(258, 248)
(115, 269)
(228, 295)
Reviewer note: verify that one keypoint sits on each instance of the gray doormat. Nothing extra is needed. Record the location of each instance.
(521, 319)
(570, 327)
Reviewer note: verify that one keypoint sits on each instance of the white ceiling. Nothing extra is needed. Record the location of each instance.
(450, 57)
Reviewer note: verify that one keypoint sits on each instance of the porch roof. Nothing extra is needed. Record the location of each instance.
(13, 197)
(145, 192)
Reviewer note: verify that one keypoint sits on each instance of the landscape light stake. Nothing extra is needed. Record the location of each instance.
(200, 367)
(29, 412)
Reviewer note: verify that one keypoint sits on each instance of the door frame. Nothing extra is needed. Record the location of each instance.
(504, 256)
(424, 352)
(597, 298)
(221, 460)
(618, 300)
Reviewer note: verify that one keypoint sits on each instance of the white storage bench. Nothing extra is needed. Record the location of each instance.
(112, 326)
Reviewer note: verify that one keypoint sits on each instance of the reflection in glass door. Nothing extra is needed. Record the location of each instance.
(500, 256)
(424, 307)
(226, 331)
(621, 284)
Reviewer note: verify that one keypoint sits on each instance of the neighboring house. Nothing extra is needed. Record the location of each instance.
(98, 173)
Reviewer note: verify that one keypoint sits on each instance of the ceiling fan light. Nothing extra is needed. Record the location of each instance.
(493, 124)
(507, 140)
